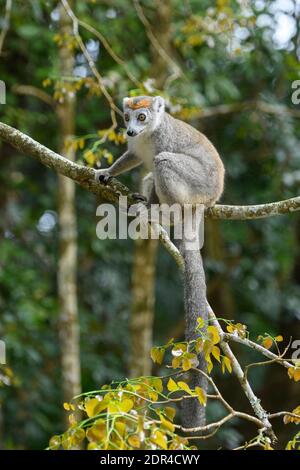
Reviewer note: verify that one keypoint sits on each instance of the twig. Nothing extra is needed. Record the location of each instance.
(283, 413)
(177, 72)
(110, 51)
(259, 105)
(34, 91)
(258, 211)
(236, 367)
(91, 63)
(258, 348)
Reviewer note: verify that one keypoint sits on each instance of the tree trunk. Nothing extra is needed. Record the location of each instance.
(67, 263)
(142, 310)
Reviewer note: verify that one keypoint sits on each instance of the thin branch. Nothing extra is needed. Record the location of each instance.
(238, 371)
(283, 413)
(177, 72)
(6, 23)
(110, 51)
(91, 63)
(258, 348)
(36, 92)
(258, 211)
(232, 413)
(255, 105)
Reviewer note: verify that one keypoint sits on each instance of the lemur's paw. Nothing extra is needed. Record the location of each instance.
(139, 197)
(102, 176)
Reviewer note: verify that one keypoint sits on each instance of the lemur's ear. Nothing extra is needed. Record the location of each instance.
(125, 101)
(158, 103)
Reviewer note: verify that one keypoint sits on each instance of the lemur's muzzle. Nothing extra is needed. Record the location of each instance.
(131, 133)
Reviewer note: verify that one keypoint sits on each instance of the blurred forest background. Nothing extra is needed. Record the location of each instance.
(227, 68)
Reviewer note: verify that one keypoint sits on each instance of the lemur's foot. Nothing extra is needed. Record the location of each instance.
(102, 176)
(139, 197)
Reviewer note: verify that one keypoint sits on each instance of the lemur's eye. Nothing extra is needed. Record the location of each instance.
(141, 117)
(126, 117)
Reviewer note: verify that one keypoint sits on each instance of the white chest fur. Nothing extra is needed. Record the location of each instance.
(141, 146)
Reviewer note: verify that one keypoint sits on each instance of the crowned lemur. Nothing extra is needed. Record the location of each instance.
(185, 168)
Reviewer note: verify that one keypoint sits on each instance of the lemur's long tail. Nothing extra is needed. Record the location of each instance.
(193, 414)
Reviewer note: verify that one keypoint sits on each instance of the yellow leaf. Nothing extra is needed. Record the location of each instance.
(167, 424)
(227, 364)
(66, 441)
(209, 365)
(207, 348)
(199, 345)
(297, 375)
(89, 157)
(126, 405)
(184, 386)
(157, 354)
(134, 441)
(267, 343)
(213, 334)
(170, 412)
(72, 419)
(113, 407)
(55, 442)
(160, 439)
(279, 339)
(78, 436)
(201, 395)
(157, 384)
(120, 427)
(172, 385)
(179, 349)
(291, 371)
(46, 82)
(152, 395)
(93, 446)
(109, 157)
(81, 143)
(93, 406)
(97, 432)
(186, 364)
(176, 362)
(200, 322)
(216, 353)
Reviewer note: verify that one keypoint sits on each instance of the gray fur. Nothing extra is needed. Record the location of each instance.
(185, 168)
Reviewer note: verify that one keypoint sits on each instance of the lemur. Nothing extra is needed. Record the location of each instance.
(185, 168)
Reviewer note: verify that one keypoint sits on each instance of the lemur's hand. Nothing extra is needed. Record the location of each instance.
(102, 176)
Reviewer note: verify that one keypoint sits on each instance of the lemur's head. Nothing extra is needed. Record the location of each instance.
(142, 114)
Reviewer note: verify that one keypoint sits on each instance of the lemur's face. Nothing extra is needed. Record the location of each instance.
(142, 114)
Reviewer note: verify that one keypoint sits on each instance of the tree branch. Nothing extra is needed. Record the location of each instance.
(30, 90)
(252, 105)
(82, 175)
(85, 177)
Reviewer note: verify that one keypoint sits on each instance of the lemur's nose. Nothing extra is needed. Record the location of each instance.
(130, 133)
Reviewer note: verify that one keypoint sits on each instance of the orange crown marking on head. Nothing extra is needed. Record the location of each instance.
(144, 103)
